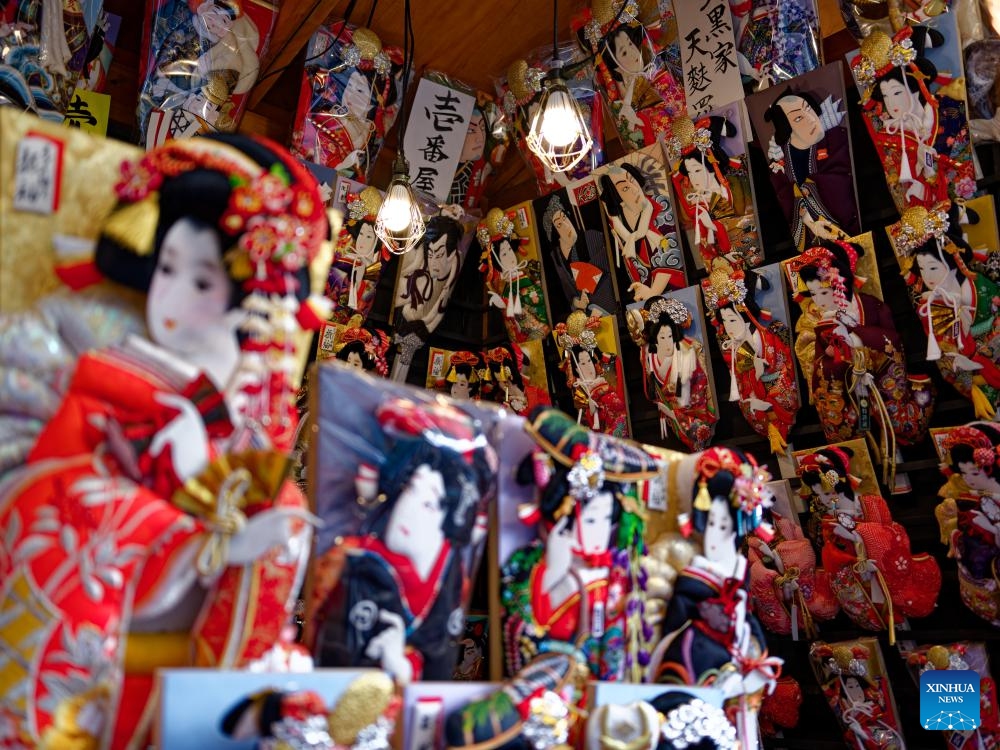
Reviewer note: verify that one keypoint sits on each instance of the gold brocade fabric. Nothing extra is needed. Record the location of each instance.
(90, 169)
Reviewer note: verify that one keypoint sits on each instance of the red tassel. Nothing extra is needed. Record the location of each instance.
(79, 275)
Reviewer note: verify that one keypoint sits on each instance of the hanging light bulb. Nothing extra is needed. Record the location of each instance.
(399, 223)
(558, 135)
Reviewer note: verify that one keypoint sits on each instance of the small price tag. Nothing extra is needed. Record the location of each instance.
(38, 174)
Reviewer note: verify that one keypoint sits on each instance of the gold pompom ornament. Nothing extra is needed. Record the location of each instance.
(914, 219)
(683, 130)
(939, 657)
(495, 221)
(876, 47)
(843, 655)
(368, 43)
(371, 199)
(517, 80)
(364, 701)
(133, 225)
(576, 323)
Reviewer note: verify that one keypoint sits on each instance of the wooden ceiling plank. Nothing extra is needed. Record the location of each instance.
(296, 23)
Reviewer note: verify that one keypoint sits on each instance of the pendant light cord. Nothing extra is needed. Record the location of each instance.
(408, 51)
(555, 29)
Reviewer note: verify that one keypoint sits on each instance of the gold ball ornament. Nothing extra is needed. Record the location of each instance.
(371, 199)
(843, 656)
(576, 323)
(938, 656)
(368, 43)
(876, 47)
(517, 80)
(494, 219)
(914, 219)
(683, 130)
(604, 11)
(364, 701)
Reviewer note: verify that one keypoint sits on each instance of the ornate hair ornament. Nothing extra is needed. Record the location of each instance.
(364, 206)
(725, 288)
(463, 358)
(687, 136)
(822, 259)
(673, 309)
(604, 15)
(830, 474)
(940, 657)
(365, 52)
(984, 453)
(918, 225)
(494, 227)
(880, 53)
(842, 660)
(548, 721)
(578, 330)
(749, 493)
(524, 82)
(587, 476)
(690, 723)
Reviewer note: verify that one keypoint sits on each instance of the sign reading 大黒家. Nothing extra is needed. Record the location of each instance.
(708, 55)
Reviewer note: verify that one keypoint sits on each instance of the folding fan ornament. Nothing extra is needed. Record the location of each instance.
(593, 374)
(713, 639)
(515, 375)
(790, 591)
(349, 99)
(852, 355)
(757, 349)
(426, 281)
(712, 190)
(918, 125)
(676, 374)
(776, 41)
(513, 280)
(964, 655)
(802, 129)
(520, 90)
(853, 678)
(634, 61)
(200, 61)
(579, 589)
(357, 260)
(958, 307)
(874, 575)
(635, 193)
(969, 514)
(43, 51)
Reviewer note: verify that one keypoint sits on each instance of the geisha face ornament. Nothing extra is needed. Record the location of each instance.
(189, 296)
(595, 523)
(417, 517)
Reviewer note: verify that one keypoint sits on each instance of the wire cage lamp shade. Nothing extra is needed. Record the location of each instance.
(559, 135)
(399, 224)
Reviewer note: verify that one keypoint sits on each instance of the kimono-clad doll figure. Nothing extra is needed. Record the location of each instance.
(398, 603)
(958, 307)
(969, 514)
(592, 376)
(203, 60)
(905, 118)
(632, 50)
(855, 685)
(363, 349)
(713, 640)
(714, 202)
(573, 590)
(427, 278)
(506, 379)
(515, 284)
(662, 723)
(462, 379)
(152, 515)
(363, 715)
(969, 734)
(348, 100)
(876, 578)
(357, 263)
(632, 215)
(675, 374)
(810, 163)
(482, 152)
(852, 354)
(790, 591)
(757, 353)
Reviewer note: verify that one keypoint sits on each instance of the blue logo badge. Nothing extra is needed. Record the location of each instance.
(949, 699)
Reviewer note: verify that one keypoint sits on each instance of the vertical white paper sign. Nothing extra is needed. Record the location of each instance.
(708, 55)
(38, 174)
(435, 134)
